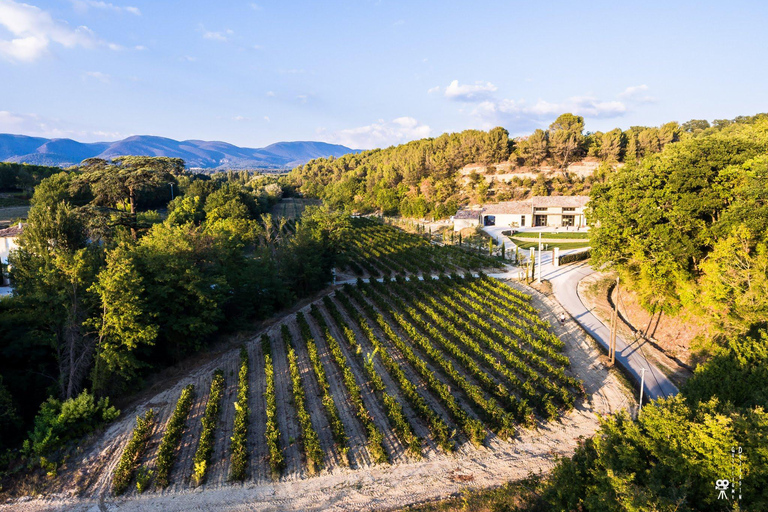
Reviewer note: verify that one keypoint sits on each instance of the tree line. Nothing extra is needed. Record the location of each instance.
(107, 291)
(421, 178)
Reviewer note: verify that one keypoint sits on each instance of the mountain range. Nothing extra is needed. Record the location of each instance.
(196, 153)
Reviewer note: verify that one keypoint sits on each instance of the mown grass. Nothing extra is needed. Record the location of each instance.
(572, 235)
(527, 244)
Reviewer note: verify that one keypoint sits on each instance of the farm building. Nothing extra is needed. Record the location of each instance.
(551, 211)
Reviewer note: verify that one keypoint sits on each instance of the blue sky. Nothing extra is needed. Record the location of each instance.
(371, 73)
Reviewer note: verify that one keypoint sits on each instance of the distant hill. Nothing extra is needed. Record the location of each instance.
(196, 153)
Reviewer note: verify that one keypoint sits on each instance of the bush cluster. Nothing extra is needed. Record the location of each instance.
(239, 446)
(276, 457)
(133, 452)
(310, 439)
(166, 454)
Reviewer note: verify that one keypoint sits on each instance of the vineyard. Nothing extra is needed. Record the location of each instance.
(376, 373)
(374, 249)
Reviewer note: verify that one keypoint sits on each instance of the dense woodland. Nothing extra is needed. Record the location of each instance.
(421, 178)
(108, 290)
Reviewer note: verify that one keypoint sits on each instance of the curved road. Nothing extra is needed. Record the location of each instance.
(564, 282)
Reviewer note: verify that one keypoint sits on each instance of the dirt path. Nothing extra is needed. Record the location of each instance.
(378, 487)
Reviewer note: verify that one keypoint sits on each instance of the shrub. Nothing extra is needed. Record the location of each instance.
(59, 422)
(166, 454)
(573, 257)
(239, 446)
(143, 477)
(276, 458)
(210, 418)
(133, 452)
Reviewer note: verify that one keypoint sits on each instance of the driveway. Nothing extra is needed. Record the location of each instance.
(565, 280)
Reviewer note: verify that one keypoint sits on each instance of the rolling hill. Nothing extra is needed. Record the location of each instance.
(196, 153)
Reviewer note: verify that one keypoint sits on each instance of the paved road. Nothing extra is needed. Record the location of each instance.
(564, 281)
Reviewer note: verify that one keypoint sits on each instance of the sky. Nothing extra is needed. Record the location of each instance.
(371, 73)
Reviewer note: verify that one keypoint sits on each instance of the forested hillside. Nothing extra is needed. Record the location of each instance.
(108, 291)
(421, 178)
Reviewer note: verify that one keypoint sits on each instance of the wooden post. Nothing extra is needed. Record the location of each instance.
(614, 325)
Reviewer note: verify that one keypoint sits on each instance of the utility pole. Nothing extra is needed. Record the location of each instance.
(642, 385)
(538, 280)
(614, 326)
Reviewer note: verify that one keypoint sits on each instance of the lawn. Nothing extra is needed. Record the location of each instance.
(554, 234)
(528, 243)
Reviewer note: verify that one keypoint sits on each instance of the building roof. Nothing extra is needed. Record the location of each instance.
(560, 201)
(13, 231)
(508, 207)
(467, 214)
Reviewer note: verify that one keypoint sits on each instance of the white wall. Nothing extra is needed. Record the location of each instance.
(6, 246)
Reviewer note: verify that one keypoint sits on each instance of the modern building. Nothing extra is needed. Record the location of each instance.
(538, 211)
(8, 242)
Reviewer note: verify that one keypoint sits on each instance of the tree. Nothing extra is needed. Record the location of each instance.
(733, 289)
(566, 138)
(120, 182)
(658, 221)
(611, 145)
(535, 148)
(122, 324)
(52, 271)
(496, 148)
(695, 126)
(668, 133)
(648, 141)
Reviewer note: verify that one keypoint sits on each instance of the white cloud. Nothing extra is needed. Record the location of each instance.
(84, 5)
(216, 36)
(267, 119)
(379, 134)
(140, 48)
(637, 94)
(271, 94)
(33, 30)
(255, 7)
(520, 115)
(433, 90)
(38, 126)
(474, 92)
(98, 76)
(188, 58)
(241, 118)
